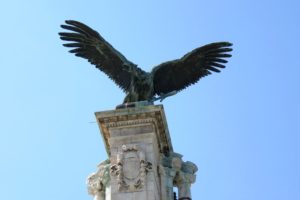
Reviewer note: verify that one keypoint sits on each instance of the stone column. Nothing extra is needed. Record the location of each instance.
(187, 177)
(134, 139)
(141, 164)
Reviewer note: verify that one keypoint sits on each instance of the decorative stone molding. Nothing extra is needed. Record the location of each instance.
(129, 123)
(97, 182)
(135, 139)
(136, 117)
(179, 174)
(131, 168)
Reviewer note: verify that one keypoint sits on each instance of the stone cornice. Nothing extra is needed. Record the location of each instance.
(139, 117)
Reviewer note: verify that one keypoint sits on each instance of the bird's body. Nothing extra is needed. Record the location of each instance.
(141, 88)
(164, 80)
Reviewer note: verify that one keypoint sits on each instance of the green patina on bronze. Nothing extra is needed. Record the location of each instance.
(164, 80)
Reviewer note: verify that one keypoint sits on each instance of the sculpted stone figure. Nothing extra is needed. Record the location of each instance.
(98, 181)
(164, 80)
(177, 173)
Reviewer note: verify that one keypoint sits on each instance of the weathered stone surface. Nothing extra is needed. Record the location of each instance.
(142, 163)
(135, 121)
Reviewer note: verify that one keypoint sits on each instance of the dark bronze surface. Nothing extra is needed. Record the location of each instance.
(164, 80)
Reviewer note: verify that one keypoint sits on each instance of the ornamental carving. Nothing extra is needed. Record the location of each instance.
(131, 168)
(177, 173)
(129, 122)
(97, 182)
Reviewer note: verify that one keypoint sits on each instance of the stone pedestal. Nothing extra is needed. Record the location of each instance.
(142, 164)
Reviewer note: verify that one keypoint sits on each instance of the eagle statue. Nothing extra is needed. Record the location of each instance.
(164, 80)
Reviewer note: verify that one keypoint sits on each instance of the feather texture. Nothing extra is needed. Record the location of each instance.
(181, 73)
(89, 44)
(139, 85)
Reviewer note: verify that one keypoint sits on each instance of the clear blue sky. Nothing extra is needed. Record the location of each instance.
(241, 127)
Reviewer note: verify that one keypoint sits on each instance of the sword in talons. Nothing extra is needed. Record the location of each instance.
(162, 96)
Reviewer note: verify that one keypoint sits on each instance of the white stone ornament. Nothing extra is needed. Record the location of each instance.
(97, 182)
(142, 164)
(176, 173)
(131, 168)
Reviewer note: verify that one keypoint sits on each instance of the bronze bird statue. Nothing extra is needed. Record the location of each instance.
(164, 80)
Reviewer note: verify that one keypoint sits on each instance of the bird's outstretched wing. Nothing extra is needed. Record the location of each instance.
(89, 44)
(178, 74)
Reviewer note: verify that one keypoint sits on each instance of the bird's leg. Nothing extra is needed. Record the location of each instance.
(162, 96)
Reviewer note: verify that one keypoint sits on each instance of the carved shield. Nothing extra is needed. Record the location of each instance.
(131, 165)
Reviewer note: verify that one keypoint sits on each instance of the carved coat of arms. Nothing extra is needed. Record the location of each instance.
(131, 168)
